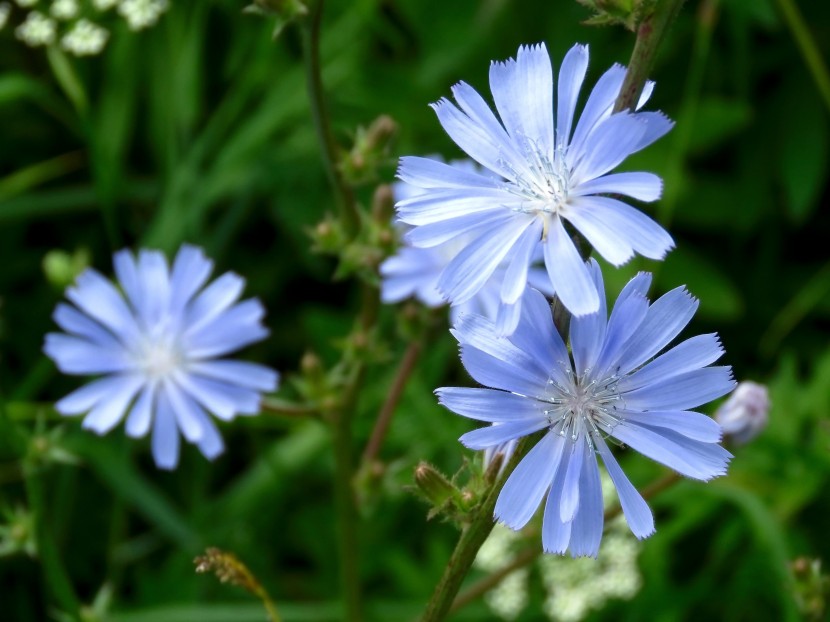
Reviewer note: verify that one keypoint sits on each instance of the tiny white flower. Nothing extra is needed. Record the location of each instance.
(5, 9)
(64, 9)
(745, 413)
(142, 14)
(85, 38)
(25, 4)
(36, 30)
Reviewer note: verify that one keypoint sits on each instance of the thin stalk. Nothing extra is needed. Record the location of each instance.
(287, 409)
(54, 573)
(809, 50)
(349, 215)
(527, 556)
(650, 32)
(387, 410)
(472, 537)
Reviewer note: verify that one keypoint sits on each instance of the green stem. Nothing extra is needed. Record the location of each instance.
(809, 49)
(472, 537)
(54, 573)
(311, 44)
(650, 32)
(344, 497)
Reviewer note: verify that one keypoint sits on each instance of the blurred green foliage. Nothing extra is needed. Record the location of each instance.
(199, 130)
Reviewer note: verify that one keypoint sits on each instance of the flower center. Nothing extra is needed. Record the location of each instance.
(544, 189)
(582, 405)
(159, 355)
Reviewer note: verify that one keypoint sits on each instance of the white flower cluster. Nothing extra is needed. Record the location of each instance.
(142, 14)
(71, 21)
(575, 586)
(509, 597)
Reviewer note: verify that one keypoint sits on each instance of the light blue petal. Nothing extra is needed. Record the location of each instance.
(493, 372)
(556, 534)
(456, 231)
(535, 95)
(690, 354)
(190, 272)
(472, 267)
(241, 373)
(507, 317)
(657, 126)
(489, 404)
(235, 328)
(73, 321)
(687, 457)
(224, 400)
(97, 297)
(597, 108)
(86, 397)
(586, 532)
(523, 491)
(640, 186)
(74, 355)
(665, 319)
(690, 424)
(141, 415)
(634, 507)
(611, 222)
(474, 139)
(106, 414)
(574, 457)
(184, 408)
(571, 76)
(625, 320)
(683, 391)
(477, 109)
(478, 332)
(165, 437)
(429, 173)
(537, 336)
(608, 145)
(500, 433)
(587, 331)
(211, 445)
(570, 277)
(126, 271)
(515, 277)
(213, 300)
(154, 285)
(645, 95)
(437, 205)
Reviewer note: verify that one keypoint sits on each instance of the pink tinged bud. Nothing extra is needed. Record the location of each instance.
(745, 413)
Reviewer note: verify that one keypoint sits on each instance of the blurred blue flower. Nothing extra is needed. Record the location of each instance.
(547, 174)
(414, 272)
(156, 348)
(611, 385)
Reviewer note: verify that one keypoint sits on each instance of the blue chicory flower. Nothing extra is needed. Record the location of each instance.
(415, 272)
(547, 171)
(156, 348)
(613, 384)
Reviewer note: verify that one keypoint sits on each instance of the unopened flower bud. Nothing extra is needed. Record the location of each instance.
(435, 487)
(503, 452)
(745, 413)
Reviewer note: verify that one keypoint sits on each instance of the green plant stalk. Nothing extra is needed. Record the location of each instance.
(54, 573)
(473, 535)
(650, 33)
(809, 50)
(349, 215)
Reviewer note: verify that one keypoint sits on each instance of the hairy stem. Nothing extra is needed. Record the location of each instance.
(650, 32)
(472, 537)
(331, 161)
